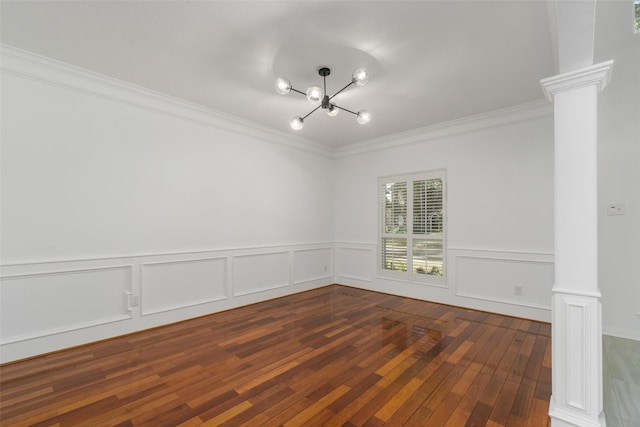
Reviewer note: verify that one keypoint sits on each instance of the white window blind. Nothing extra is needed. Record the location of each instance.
(412, 226)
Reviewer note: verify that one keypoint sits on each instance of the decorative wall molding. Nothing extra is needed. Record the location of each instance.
(164, 288)
(491, 119)
(39, 68)
(32, 66)
(170, 285)
(260, 272)
(168, 256)
(306, 267)
(356, 265)
(354, 261)
(492, 276)
(577, 373)
(84, 297)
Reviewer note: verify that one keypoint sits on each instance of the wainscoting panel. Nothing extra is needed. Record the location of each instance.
(260, 272)
(356, 262)
(176, 284)
(41, 304)
(312, 264)
(507, 277)
(50, 305)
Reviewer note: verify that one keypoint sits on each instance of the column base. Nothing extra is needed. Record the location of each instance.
(576, 359)
(561, 418)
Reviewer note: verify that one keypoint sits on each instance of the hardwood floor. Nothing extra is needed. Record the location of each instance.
(334, 356)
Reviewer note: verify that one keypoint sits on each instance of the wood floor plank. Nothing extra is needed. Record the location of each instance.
(302, 417)
(332, 356)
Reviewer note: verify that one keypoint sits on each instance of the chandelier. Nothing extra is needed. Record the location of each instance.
(317, 94)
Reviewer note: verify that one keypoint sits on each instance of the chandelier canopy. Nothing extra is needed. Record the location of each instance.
(317, 94)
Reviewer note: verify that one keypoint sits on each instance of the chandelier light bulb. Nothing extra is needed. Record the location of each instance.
(360, 76)
(363, 117)
(315, 94)
(283, 86)
(296, 123)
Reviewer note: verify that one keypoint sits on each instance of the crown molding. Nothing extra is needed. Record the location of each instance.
(491, 119)
(39, 68)
(49, 71)
(595, 75)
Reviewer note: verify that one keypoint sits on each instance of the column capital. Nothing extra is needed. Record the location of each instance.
(598, 75)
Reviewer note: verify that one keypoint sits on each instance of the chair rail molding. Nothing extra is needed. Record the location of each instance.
(49, 305)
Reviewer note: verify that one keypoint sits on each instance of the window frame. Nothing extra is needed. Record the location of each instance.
(409, 275)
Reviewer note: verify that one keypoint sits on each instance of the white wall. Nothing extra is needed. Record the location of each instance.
(108, 189)
(619, 182)
(500, 209)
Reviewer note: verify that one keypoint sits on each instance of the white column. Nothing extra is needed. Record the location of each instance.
(576, 317)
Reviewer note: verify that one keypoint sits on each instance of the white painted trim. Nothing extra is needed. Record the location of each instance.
(508, 256)
(356, 245)
(322, 248)
(413, 282)
(598, 74)
(560, 418)
(261, 290)
(24, 64)
(351, 246)
(250, 249)
(32, 344)
(262, 253)
(349, 277)
(490, 119)
(39, 68)
(531, 261)
(505, 301)
(74, 327)
(312, 279)
(265, 288)
(574, 292)
(191, 303)
(71, 271)
(180, 306)
(56, 331)
(330, 268)
(577, 356)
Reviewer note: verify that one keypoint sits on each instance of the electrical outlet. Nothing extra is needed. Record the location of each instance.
(616, 209)
(517, 290)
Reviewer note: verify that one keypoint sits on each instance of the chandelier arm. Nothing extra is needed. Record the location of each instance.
(311, 112)
(296, 90)
(350, 83)
(344, 109)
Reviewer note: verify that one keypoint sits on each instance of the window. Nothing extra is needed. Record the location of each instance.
(637, 10)
(412, 227)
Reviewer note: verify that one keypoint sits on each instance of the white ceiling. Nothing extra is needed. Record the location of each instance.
(429, 61)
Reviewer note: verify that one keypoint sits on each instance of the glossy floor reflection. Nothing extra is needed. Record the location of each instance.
(332, 356)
